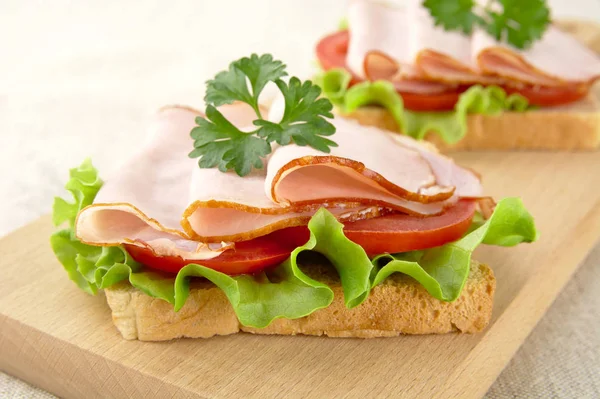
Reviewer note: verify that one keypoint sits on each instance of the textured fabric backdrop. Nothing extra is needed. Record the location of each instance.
(79, 78)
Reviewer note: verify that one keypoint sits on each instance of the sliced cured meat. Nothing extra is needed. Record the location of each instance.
(557, 59)
(114, 224)
(162, 201)
(374, 26)
(446, 172)
(408, 36)
(454, 58)
(332, 51)
(380, 66)
(421, 95)
(417, 94)
(438, 54)
(368, 155)
(161, 195)
(410, 170)
(441, 67)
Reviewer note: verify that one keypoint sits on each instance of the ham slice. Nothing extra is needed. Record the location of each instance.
(228, 207)
(160, 198)
(374, 26)
(379, 48)
(557, 59)
(445, 170)
(404, 45)
(438, 54)
(367, 166)
(441, 55)
(143, 202)
(406, 79)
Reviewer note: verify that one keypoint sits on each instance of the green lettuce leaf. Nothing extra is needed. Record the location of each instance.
(285, 291)
(443, 270)
(451, 126)
(334, 84)
(83, 185)
(90, 267)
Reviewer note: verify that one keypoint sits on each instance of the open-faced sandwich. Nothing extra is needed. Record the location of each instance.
(462, 76)
(290, 223)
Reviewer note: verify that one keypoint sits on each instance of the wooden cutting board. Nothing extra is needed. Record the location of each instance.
(63, 340)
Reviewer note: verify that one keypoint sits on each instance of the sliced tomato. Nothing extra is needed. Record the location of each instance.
(431, 102)
(401, 233)
(332, 51)
(551, 96)
(392, 233)
(248, 257)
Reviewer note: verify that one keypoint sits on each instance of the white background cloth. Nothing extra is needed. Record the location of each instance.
(79, 78)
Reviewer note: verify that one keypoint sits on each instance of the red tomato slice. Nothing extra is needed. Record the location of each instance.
(401, 233)
(248, 257)
(332, 50)
(392, 233)
(431, 102)
(550, 96)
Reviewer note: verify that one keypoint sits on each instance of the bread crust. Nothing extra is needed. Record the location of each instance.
(574, 127)
(399, 305)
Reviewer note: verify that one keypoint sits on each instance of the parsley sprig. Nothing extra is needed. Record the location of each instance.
(220, 144)
(518, 22)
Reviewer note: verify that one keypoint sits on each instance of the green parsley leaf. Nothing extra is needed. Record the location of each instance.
(521, 23)
(453, 15)
(518, 22)
(261, 70)
(302, 120)
(229, 86)
(218, 143)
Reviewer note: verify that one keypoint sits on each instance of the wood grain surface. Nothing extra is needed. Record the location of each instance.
(63, 340)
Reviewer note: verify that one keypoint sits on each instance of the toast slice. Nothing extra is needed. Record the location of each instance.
(399, 305)
(573, 127)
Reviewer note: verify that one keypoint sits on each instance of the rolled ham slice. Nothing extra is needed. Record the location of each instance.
(161, 199)
(374, 26)
(379, 48)
(446, 172)
(439, 55)
(366, 166)
(420, 50)
(142, 203)
(226, 206)
(299, 180)
(406, 79)
(557, 59)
